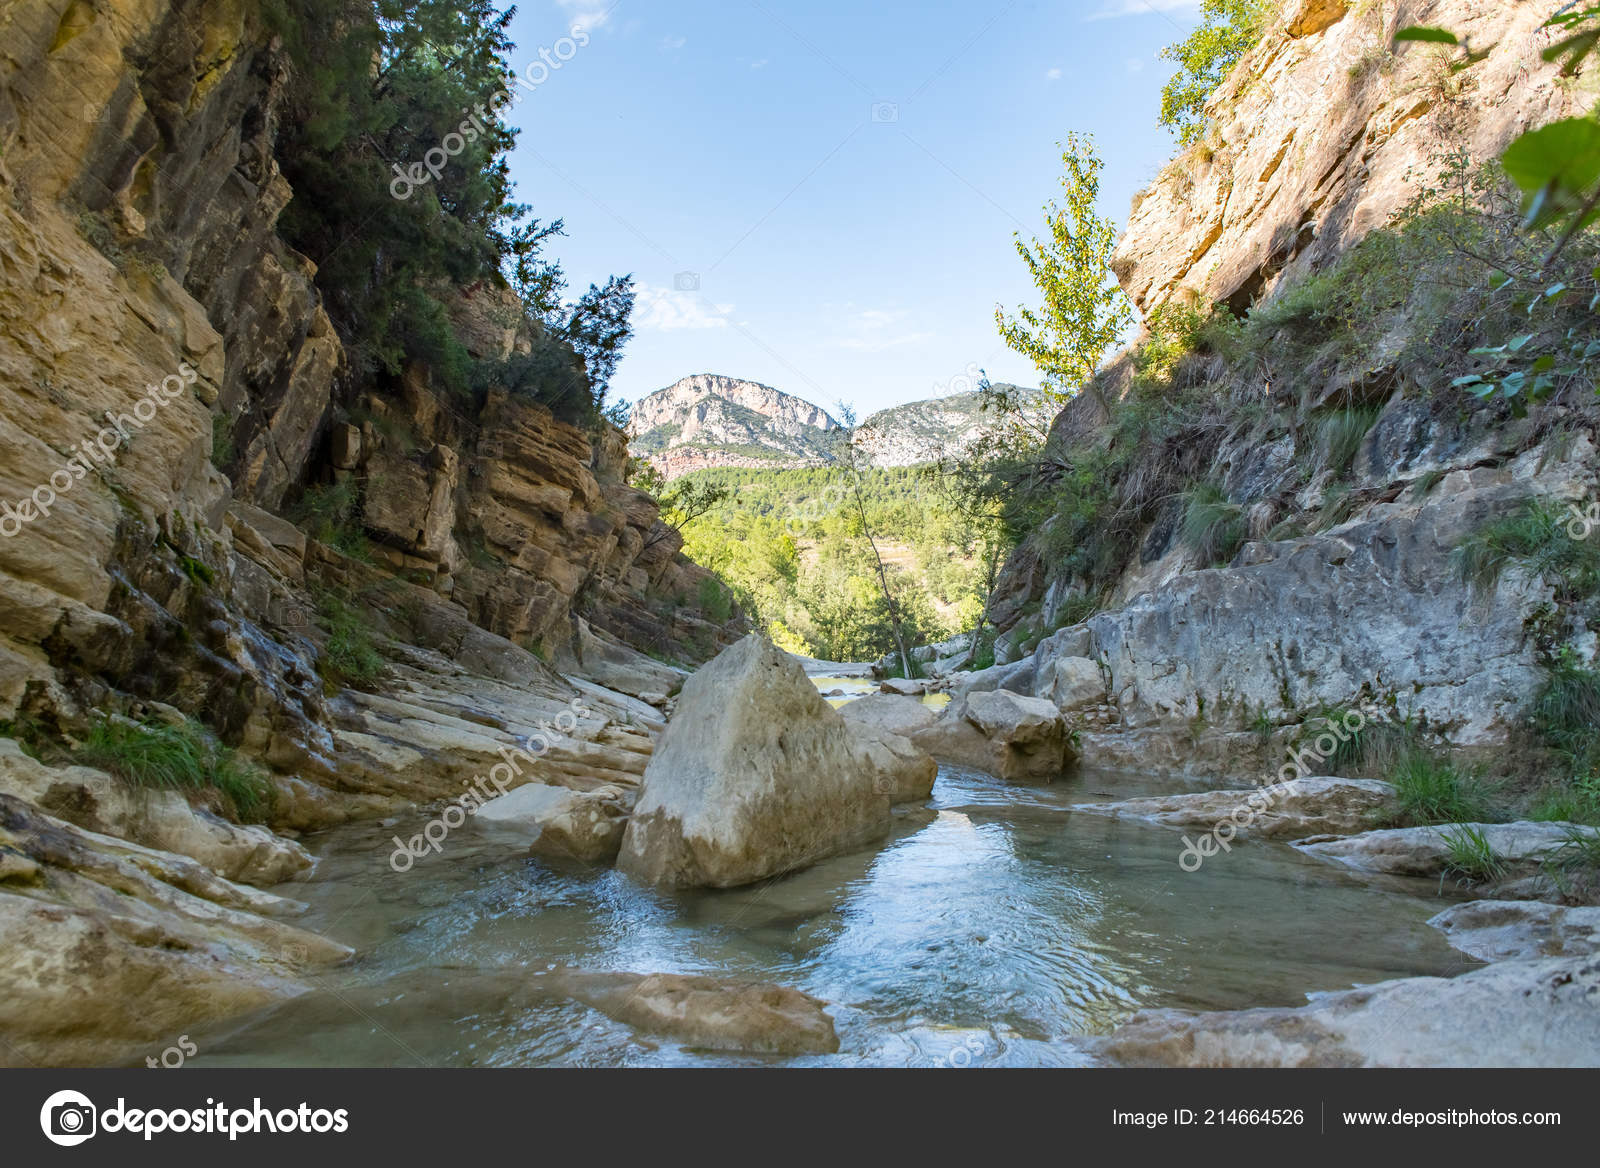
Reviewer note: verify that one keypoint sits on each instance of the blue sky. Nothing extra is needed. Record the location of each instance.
(821, 195)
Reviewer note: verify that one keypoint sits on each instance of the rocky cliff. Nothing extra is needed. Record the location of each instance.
(1246, 569)
(1323, 132)
(214, 524)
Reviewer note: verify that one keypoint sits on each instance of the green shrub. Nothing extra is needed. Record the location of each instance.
(178, 758)
(715, 600)
(1212, 526)
(1535, 539)
(330, 514)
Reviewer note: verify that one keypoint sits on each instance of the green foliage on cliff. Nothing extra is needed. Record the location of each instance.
(1228, 30)
(179, 758)
(394, 141)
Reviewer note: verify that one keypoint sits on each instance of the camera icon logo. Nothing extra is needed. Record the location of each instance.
(68, 1118)
(885, 111)
(686, 282)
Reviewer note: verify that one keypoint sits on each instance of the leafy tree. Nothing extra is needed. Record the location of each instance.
(598, 328)
(1228, 30)
(1084, 310)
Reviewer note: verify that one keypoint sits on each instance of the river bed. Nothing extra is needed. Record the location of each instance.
(990, 929)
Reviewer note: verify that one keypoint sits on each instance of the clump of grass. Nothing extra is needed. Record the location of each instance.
(30, 734)
(1566, 710)
(1433, 790)
(351, 655)
(176, 758)
(328, 512)
(1212, 526)
(1535, 538)
(1377, 747)
(1471, 856)
(1577, 801)
(223, 448)
(1077, 608)
(1340, 435)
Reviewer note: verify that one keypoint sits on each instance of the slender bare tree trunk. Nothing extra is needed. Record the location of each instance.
(883, 576)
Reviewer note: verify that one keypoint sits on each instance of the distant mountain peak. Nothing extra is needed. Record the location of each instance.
(711, 420)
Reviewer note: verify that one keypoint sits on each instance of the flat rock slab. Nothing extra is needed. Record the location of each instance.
(706, 1012)
(1502, 930)
(558, 823)
(1425, 851)
(1514, 1014)
(891, 712)
(1303, 807)
(903, 687)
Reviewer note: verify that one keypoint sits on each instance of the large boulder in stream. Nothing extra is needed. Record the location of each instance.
(881, 725)
(889, 712)
(756, 775)
(1006, 734)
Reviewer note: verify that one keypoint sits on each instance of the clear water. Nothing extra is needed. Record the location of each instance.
(839, 690)
(991, 928)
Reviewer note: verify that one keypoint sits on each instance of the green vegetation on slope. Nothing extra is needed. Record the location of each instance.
(791, 546)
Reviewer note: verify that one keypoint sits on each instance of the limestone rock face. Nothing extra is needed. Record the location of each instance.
(1304, 807)
(1523, 1014)
(707, 1012)
(692, 423)
(1320, 126)
(161, 820)
(1314, 620)
(105, 925)
(754, 776)
(1071, 683)
(1004, 733)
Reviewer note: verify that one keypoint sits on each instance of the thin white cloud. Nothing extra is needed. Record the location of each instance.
(879, 344)
(760, 63)
(874, 330)
(1053, 74)
(673, 42)
(587, 13)
(1135, 64)
(1118, 8)
(666, 311)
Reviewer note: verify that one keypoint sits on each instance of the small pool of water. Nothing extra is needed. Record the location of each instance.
(992, 927)
(839, 690)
